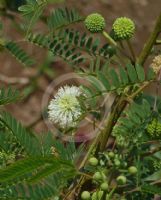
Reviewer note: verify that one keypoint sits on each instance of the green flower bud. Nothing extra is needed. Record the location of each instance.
(117, 162)
(123, 28)
(85, 195)
(157, 164)
(121, 180)
(132, 170)
(97, 176)
(93, 161)
(104, 186)
(154, 128)
(111, 154)
(95, 23)
(156, 64)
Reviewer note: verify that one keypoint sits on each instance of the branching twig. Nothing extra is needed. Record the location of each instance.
(151, 41)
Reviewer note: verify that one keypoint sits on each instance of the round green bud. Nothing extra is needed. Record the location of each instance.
(93, 161)
(124, 164)
(121, 180)
(111, 154)
(95, 23)
(123, 28)
(132, 170)
(154, 128)
(104, 186)
(97, 176)
(85, 195)
(117, 162)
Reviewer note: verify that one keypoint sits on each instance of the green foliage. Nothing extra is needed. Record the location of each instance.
(47, 189)
(131, 125)
(105, 79)
(155, 176)
(71, 45)
(151, 189)
(19, 53)
(24, 137)
(59, 171)
(9, 95)
(44, 165)
(33, 10)
(62, 17)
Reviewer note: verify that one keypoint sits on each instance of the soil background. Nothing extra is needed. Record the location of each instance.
(28, 111)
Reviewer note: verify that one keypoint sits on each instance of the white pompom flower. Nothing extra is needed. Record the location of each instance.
(65, 109)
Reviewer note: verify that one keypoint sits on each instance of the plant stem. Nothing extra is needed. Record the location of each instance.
(91, 148)
(111, 41)
(151, 152)
(131, 50)
(118, 106)
(151, 41)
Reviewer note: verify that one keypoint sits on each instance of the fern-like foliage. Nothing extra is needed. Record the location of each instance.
(151, 189)
(19, 53)
(118, 80)
(9, 95)
(71, 46)
(63, 17)
(32, 170)
(32, 10)
(131, 124)
(44, 165)
(24, 137)
(47, 189)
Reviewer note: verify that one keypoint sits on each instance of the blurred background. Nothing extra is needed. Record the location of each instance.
(28, 111)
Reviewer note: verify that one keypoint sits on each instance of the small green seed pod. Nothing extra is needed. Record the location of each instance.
(111, 154)
(93, 161)
(95, 23)
(97, 176)
(123, 28)
(121, 180)
(132, 170)
(85, 195)
(117, 162)
(104, 186)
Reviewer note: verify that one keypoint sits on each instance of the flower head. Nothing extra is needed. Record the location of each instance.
(123, 28)
(154, 128)
(65, 109)
(95, 23)
(156, 64)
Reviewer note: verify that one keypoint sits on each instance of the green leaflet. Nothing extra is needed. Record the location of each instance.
(140, 72)
(131, 73)
(69, 45)
(154, 177)
(104, 80)
(123, 76)
(151, 189)
(9, 95)
(19, 53)
(114, 78)
(23, 136)
(30, 164)
(63, 17)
